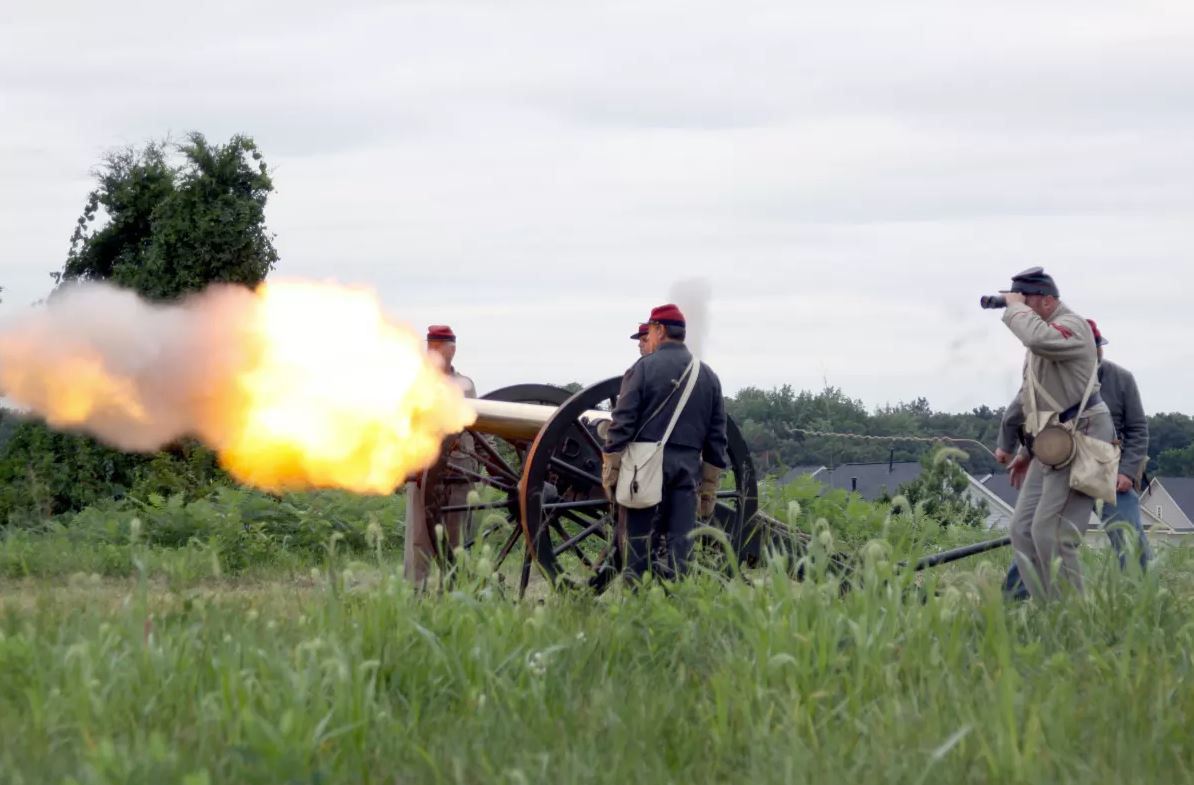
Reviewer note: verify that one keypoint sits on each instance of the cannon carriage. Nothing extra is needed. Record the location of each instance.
(535, 449)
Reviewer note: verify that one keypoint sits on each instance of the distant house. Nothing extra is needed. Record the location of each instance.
(872, 481)
(1169, 502)
(800, 471)
(869, 480)
(1001, 485)
(1166, 505)
(989, 490)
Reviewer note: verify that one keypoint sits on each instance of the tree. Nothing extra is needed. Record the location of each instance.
(1176, 462)
(940, 491)
(164, 228)
(173, 230)
(1168, 436)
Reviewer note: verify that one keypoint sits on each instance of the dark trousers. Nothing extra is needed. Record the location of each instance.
(673, 519)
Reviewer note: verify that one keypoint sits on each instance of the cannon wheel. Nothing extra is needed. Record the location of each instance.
(497, 463)
(568, 523)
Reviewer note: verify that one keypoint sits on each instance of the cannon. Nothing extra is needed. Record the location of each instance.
(534, 453)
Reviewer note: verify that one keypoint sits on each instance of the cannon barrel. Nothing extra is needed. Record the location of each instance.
(522, 421)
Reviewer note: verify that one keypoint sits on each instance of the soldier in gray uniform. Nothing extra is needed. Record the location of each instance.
(694, 456)
(419, 548)
(1050, 518)
(1122, 396)
(1119, 391)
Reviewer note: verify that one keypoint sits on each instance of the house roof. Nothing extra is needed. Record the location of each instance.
(988, 494)
(1001, 485)
(1181, 490)
(800, 471)
(870, 480)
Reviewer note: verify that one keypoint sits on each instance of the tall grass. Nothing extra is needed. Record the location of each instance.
(349, 678)
(235, 529)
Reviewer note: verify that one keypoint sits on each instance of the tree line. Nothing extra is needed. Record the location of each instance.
(772, 420)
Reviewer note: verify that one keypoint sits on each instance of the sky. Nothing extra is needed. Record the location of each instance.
(828, 187)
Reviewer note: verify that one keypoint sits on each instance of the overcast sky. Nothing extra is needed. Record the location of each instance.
(847, 178)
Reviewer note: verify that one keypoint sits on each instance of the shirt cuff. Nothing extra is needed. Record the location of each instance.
(1013, 310)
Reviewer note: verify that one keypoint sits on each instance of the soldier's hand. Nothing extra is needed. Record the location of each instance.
(1018, 470)
(1123, 483)
(1014, 298)
(1002, 457)
(707, 490)
(611, 467)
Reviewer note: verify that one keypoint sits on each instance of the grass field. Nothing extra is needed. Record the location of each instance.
(321, 667)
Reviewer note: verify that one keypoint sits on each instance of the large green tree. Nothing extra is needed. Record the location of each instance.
(165, 220)
(175, 226)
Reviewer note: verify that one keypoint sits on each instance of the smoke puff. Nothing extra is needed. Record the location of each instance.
(693, 295)
(163, 361)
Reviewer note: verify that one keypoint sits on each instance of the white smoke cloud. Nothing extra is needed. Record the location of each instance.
(134, 374)
(693, 296)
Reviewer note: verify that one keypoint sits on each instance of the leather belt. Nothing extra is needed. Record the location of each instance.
(1072, 412)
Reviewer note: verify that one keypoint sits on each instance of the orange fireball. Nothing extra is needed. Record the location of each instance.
(295, 385)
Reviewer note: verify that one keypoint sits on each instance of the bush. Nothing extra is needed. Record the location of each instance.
(240, 528)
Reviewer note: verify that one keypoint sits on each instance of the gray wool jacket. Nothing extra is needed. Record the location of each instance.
(1119, 391)
(1122, 396)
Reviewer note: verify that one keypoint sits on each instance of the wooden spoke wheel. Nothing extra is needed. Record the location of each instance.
(491, 466)
(570, 527)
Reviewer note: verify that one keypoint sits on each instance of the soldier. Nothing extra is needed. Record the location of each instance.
(641, 337)
(694, 456)
(1122, 396)
(659, 541)
(1050, 517)
(1119, 391)
(420, 547)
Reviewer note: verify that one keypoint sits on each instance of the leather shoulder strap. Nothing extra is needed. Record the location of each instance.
(694, 370)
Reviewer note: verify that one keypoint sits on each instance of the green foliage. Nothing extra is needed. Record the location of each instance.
(940, 491)
(1170, 439)
(1176, 462)
(187, 470)
(173, 230)
(767, 417)
(909, 529)
(240, 529)
(352, 679)
(44, 473)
